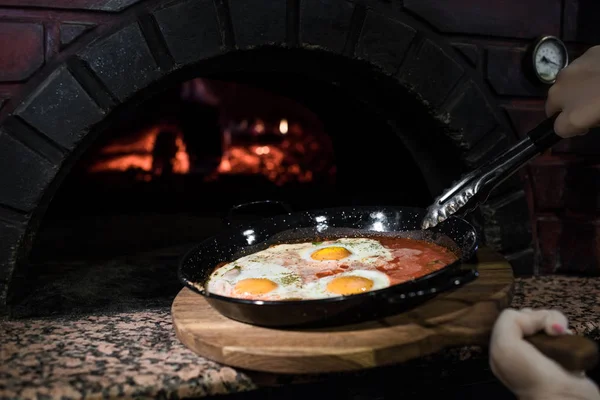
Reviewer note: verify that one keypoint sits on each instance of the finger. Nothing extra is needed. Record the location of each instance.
(537, 320)
(586, 116)
(509, 352)
(555, 323)
(553, 102)
(564, 127)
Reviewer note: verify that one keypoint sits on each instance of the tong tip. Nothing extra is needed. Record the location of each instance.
(441, 210)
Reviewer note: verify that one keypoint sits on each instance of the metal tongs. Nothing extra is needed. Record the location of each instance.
(475, 187)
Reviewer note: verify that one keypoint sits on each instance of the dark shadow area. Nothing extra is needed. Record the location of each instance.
(587, 22)
(578, 251)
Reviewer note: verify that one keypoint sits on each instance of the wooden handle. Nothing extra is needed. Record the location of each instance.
(573, 353)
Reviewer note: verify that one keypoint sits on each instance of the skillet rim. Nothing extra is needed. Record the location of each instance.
(383, 292)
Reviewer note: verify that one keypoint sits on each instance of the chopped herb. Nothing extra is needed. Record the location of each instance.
(289, 279)
(434, 262)
(316, 243)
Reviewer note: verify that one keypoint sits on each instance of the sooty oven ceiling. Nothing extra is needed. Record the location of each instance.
(385, 69)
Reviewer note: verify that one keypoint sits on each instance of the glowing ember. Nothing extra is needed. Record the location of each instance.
(123, 163)
(283, 126)
(139, 152)
(265, 160)
(259, 127)
(181, 162)
(295, 158)
(261, 134)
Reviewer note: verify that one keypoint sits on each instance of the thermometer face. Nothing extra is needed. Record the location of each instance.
(549, 58)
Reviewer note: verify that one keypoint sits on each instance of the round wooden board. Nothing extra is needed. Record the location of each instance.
(464, 316)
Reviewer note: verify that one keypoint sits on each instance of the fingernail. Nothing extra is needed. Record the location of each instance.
(558, 328)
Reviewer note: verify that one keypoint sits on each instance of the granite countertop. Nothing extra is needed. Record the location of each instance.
(136, 354)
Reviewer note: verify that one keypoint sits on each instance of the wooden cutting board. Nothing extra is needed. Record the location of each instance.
(464, 316)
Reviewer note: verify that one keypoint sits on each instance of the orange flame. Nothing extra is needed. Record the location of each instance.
(181, 162)
(123, 163)
(296, 157)
(136, 153)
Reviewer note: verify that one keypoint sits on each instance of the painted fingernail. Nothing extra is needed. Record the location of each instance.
(558, 328)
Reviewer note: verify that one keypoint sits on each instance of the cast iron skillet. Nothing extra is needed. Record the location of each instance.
(454, 233)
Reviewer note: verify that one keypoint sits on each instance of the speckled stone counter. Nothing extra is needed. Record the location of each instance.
(136, 354)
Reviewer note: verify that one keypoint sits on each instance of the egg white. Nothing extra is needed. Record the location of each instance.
(363, 250)
(224, 279)
(318, 288)
(287, 264)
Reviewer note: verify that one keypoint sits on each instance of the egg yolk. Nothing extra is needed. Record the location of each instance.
(255, 286)
(349, 285)
(330, 253)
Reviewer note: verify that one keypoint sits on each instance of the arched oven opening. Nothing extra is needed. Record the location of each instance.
(160, 176)
(133, 144)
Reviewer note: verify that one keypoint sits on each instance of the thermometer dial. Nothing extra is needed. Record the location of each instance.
(549, 56)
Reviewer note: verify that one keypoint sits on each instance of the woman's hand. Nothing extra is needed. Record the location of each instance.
(576, 95)
(523, 369)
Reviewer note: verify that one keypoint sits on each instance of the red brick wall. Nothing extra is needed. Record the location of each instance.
(563, 186)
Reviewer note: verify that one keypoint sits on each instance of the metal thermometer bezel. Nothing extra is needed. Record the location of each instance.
(535, 50)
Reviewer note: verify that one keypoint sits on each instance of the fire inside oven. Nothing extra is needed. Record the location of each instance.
(167, 170)
(213, 135)
(213, 144)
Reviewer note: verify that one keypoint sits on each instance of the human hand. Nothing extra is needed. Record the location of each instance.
(523, 369)
(576, 95)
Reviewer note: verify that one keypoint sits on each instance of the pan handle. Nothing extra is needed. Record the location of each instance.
(256, 209)
(574, 353)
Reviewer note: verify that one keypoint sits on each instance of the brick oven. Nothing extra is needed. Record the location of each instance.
(403, 94)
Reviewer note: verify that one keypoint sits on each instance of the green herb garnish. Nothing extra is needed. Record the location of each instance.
(288, 279)
(316, 243)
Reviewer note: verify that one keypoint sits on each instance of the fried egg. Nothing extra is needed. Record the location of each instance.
(346, 250)
(345, 284)
(306, 270)
(251, 280)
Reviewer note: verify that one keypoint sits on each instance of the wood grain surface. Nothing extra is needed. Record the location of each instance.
(463, 316)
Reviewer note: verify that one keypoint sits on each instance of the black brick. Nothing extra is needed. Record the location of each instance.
(506, 75)
(491, 146)
(61, 109)
(469, 51)
(325, 23)
(472, 114)
(24, 174)
(384, 41)
(193, 38)
(507, 224)
(123, 62)
(258, 22)
(432, 73)
(70, 32)
(10, 238)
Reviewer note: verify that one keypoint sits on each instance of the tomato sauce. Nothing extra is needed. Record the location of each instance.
(413, 258)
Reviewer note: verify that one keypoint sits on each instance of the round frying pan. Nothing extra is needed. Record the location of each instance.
(455, 233)
(574, 353)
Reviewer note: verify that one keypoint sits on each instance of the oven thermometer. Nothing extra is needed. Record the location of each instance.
(549, 56)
